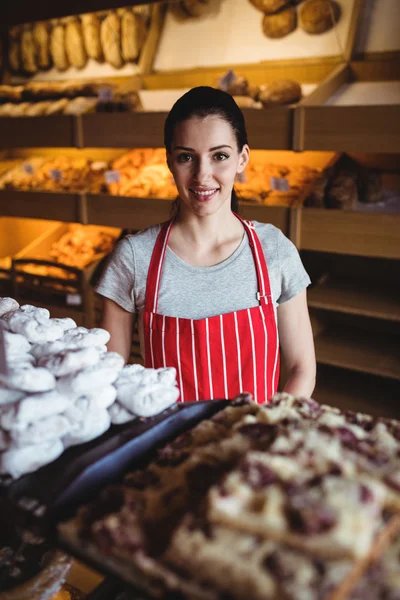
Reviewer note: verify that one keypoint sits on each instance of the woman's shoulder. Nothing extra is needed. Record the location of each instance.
(268, 234)
(142, 241)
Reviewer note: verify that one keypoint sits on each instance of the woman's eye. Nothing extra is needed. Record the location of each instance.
(221, 156)
(183, 158)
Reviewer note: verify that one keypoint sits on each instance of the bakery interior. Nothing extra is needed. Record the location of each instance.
(84, 91)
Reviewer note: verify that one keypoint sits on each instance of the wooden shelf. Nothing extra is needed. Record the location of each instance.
(350, 232)
(53, 131)
(122, 211)
(123, 130)
(355, 298)
(42, 205)
(356, 350)
(357, 391)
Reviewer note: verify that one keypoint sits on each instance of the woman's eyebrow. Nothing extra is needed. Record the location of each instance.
(210, 150)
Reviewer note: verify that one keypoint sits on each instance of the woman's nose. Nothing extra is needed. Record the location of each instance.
(202, 170)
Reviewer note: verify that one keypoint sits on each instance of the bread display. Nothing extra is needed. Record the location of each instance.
(280, 24)
(110, 35)
(74, 44)
(91, 36)
(28, 51)
(318, 16)
(130, 35)
(14, 49)
(41, 38)
(57, 47)
(283, 500)
(10, 93)
(284, 91)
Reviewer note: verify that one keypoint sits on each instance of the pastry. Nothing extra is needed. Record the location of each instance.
(57, 107)
(318, 16)
(91, 36)
(36, 329)
(15, 344)
(269, 6)
(28, 51)
(119, 414)
(29, 379)
(103, 373)
(69, 361)
(14, 49)
(33, 408)
(7, 305)
(94, 424)
(130, 35)
(280, 24)
(18, 461)
(196, 8)
(11, 93)
(41, 38)
(283, 91)
(36, 109)
(110, 35)
(57, 47)
(9, 396)
(74, 44)
(239, 86)
(80, 105)
(47, 429)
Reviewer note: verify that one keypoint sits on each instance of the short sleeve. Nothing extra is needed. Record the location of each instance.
(117, 279)
(294, 277)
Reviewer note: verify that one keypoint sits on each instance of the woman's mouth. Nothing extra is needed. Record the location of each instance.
(203, 195)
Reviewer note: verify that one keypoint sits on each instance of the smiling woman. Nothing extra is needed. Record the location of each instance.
(216, 297)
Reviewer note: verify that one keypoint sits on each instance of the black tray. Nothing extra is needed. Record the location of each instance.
(52, 493)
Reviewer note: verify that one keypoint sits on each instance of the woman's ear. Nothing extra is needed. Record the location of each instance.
(244, 158)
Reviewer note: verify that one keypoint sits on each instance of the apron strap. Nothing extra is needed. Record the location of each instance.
(264, 295)
(157, 260)
(155, 268)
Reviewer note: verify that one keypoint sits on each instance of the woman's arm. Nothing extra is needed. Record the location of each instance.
(297, 345)
(119, 323)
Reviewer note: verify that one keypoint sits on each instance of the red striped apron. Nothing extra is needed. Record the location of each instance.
(220, 356)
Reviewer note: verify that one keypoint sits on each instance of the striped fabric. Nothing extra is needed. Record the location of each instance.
(220, 356)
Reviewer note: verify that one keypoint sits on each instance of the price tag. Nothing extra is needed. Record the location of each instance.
(3, 356)
(56, 174)
(28, 168)
(74, 299)
(279, 184)
(227, 80)
(106, 94)
(241, 177)
(112, 176)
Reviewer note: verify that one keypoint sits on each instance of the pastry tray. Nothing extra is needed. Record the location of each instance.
(39, 500)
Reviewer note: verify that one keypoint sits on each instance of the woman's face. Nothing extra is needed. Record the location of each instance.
(204, 161)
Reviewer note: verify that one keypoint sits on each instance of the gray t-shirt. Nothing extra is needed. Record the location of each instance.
(193, 292)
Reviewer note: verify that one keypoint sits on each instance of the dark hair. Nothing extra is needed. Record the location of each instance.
(205, 101)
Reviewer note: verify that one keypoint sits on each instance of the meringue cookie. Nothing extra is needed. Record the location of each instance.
(47, 429)
(29, 379)
(119, 414)
(7, 305)
(9, 396)
(81, 406)
(104, 373)
(18, 461)
(147, 400)
(16, 344)
(69, 361)
(66, 324)
(95, 424)
(82, 337)
(36, 329)
(33, 408)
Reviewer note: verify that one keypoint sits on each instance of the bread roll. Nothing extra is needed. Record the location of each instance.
(11, 92)
(74, 44)
(28, 54)
(41, 38)
(245, 102)
(14, 50)
(57, 47)
(284, 91)
(57, 107)
(196, 8)
(269, 6)
(91, 36)
(239, 87)
(110, 35)
(318, 16)
(280, 24)
(130, 35)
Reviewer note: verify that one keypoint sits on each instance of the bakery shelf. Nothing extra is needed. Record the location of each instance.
(54, 131)
(358, 110)
(349, 232)
(357, 391)
(355, 298)
(42, 205)
(123, 130)
(368, 351)
(123, 211)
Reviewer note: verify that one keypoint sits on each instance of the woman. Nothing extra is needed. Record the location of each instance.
(212, 291)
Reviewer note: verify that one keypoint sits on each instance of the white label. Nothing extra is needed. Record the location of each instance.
(56, 174)
(112, 176)
(106, 94)
(279, 184)
(28, 168)
(74, 299)
(3, 356)
(227, 80)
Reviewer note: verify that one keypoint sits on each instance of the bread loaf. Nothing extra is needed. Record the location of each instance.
(14, 50)
(110, 35)
(269, 6)
(74, 44)
(245, 102)
(196, 8)
(28, 54)
(41, 38)
(57, 47)
(284, 91)
(318, 16)
(280, 24)
(130, 35)
(91, 36)
(239, 87)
